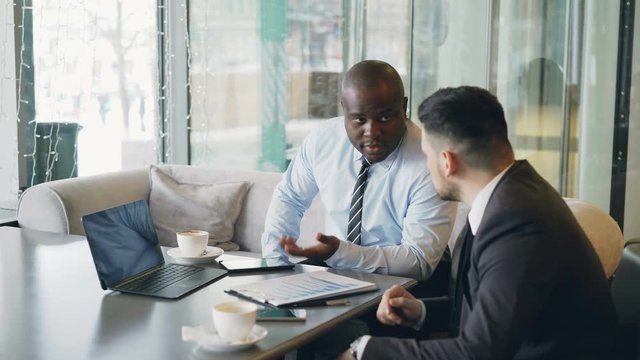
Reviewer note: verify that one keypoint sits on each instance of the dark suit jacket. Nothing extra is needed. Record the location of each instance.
(533, 287)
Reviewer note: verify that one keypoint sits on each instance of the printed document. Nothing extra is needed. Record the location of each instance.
(300, 288)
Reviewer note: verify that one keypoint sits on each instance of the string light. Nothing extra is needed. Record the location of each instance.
(55, 62)
(167, 87)
(8, 82)
(59, 69)
(201, 92)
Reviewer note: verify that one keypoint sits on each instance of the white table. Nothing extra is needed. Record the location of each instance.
(52, 307)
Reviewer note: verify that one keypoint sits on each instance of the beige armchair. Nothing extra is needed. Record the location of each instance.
(602, 230)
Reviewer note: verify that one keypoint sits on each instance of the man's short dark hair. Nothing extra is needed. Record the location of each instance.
(469, 118)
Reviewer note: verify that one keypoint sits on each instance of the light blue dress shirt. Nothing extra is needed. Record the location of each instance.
(405, 225)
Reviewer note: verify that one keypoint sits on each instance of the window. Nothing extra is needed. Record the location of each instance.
(103, 80)
(92, 105)
(263, 73)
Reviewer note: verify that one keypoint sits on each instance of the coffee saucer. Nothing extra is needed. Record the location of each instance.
(212, 253)
(208, 340)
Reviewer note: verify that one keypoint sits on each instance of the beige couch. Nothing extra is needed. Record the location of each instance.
(57, 206)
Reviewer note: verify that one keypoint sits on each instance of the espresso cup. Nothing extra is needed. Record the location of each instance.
(234, 320)
(192, 243)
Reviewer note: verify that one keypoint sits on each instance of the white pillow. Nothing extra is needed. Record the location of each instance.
(211, 207)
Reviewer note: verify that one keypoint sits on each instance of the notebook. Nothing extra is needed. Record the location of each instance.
(300, 288)
(127, 255)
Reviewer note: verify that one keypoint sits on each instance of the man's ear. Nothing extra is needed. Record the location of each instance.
(450, 160)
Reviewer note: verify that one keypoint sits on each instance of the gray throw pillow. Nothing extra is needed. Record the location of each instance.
(213, 207)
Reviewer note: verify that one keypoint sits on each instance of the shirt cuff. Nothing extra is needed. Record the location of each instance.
(423, 315)
(362, 345)
(338, 255)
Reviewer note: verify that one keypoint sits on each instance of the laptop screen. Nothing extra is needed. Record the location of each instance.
(123, 241)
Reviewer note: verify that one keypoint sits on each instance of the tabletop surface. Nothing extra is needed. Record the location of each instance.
(52, 307)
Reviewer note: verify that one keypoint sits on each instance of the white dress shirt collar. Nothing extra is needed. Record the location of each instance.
(480, 202)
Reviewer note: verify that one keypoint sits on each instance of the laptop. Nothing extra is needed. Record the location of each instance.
(127, 255)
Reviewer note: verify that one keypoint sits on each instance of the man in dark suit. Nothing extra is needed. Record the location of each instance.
(526, 282)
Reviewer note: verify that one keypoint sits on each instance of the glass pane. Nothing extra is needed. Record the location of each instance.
(95, 87)
(632, 202)
(531, 80)
(225, 89)
(555, 76)
(596, 106)
(387, 34)
(265, 73)
(450, 42)
(8, 124)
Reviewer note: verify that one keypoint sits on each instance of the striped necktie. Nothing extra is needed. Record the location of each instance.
(355, 212)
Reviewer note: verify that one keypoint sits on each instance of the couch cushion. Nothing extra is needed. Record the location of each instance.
(250, 224)
(183, 205)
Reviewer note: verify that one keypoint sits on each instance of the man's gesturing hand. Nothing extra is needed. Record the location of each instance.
(327, 246)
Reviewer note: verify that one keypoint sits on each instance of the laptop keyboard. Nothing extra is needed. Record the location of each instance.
(160, 279)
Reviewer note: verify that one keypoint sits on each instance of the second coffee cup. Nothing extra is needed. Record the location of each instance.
(234, 319)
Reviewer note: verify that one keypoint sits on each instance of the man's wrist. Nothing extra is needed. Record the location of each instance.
(358, 345)
(336, 254)
(423, 315)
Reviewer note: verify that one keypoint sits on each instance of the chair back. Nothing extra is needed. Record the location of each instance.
(626, 298)
(603, 232)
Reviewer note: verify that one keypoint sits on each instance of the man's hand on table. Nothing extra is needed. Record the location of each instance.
(399, 307)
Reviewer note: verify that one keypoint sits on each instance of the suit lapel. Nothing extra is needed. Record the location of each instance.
(464, 288)
(461, 261)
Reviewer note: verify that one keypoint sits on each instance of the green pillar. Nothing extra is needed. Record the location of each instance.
(273, 33)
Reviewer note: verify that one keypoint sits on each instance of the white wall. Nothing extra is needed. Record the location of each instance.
(8, 123)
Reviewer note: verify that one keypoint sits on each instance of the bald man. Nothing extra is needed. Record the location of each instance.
(383, 214)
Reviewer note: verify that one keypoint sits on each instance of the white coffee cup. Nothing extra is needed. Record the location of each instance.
(192, 243)
(234, 320)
